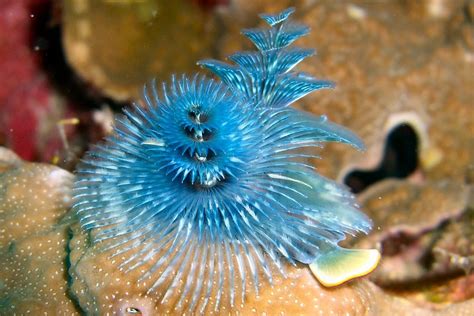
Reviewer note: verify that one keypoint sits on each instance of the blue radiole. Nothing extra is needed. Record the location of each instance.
(208, 185)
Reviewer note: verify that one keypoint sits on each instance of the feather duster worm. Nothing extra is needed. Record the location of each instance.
(210, 180)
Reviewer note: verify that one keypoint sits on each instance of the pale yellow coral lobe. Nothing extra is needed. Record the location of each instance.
(341, 265)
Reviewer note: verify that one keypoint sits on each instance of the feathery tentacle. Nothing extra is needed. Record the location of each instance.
(209, 181)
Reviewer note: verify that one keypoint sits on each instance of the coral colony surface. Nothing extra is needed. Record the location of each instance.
(206, 189)
(119, 65)
(206, 196)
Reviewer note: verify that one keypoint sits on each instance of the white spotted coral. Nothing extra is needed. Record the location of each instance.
(210, 179)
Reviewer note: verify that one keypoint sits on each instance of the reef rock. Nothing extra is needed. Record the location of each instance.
(404, 75)
(421, 230)
(156, 38)
(101, 288)
(34, 200)
(399, 68)
(34, 275)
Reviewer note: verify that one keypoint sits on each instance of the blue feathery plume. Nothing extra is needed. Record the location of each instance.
(210, 179)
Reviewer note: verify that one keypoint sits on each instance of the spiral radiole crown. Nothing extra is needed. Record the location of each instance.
(206, 187)
(194, 139)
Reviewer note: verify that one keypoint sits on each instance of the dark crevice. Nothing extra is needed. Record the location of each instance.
(198, 135)
(67, 276)
(46, 41)
(79, 96)
(197, 116)
(400, 159)
(467, 14)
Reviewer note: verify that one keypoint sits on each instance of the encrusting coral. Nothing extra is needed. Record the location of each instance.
(391, 79)
(34, 199)
(204, 193)
(419, 89)
(156, 37)
(35, 266)
(101, 288)
(412, 223)
(35, 274)
(387, 75)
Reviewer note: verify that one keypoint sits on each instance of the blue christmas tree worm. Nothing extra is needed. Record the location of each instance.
(211, 181)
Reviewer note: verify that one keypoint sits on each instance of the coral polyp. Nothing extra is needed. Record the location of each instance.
(211, 181)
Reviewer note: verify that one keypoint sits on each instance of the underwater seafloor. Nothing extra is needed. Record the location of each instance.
(405, 85)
